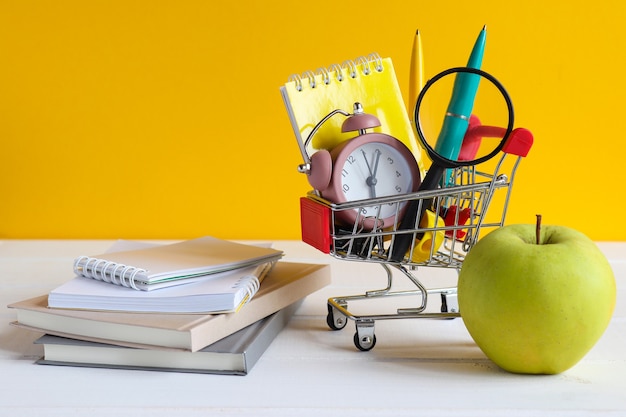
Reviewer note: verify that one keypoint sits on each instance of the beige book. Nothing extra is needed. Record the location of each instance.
(285, 284)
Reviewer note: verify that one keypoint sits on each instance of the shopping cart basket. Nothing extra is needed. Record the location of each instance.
(458, 217)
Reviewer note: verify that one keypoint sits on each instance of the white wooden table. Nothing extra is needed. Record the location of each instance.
(418, 367)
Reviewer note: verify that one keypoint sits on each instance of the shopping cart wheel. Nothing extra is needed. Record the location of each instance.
(364, 338)
(334, 319)
(364, 343)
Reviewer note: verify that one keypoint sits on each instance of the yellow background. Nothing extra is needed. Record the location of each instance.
(163, 119)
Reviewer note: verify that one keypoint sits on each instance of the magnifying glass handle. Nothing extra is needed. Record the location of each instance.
(414, 212)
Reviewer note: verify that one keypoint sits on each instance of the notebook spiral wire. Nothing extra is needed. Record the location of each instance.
(352, 68)
(107, 271)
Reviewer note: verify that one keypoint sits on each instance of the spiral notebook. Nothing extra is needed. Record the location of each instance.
(371, 81)
(222, 292)
(167, 265)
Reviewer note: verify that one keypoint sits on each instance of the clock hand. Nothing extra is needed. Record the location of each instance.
(376, 163)
(366, 161)
(371, 180)
(368, 180)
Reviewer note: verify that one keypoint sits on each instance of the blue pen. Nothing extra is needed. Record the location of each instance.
(459, 110)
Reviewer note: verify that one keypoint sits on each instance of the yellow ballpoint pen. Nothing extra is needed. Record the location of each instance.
(416, 81)
(416, 84)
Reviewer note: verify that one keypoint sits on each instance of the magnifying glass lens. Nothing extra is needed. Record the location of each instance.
(464, 117)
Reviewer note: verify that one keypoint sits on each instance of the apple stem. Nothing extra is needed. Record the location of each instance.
(538, 229)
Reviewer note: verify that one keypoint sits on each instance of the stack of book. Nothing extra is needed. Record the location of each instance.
(202, 305)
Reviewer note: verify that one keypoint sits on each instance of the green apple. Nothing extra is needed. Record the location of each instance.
(536, 300)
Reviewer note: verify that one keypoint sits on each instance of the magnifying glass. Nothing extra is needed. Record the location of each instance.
(478, 142)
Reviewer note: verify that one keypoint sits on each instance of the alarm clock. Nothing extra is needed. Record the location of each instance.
(368, 166)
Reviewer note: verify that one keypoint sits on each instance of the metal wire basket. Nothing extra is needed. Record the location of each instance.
(455, 216)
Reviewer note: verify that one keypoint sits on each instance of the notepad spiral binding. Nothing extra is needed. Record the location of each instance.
(107, 271)
(251, 285)
(362, 65)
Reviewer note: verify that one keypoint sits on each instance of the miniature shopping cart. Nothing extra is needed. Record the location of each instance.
(458, 216)
(435, 225)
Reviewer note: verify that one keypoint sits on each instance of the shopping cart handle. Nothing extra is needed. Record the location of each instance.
(519, 143)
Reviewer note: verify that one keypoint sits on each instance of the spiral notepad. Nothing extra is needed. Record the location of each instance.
(371, 81)
(220, 292)
(167, 265)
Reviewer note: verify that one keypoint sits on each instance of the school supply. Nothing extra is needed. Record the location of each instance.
(370, 81)
(215, 293)
(166, 265)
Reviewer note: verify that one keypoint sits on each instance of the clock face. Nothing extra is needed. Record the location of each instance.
(371, 166)
(375, 170)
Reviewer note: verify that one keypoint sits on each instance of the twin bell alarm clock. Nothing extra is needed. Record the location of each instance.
(369, 166)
